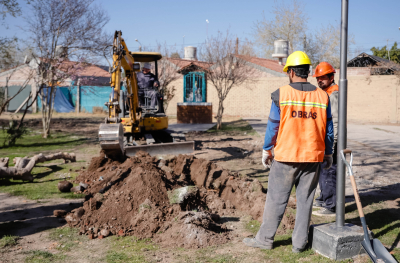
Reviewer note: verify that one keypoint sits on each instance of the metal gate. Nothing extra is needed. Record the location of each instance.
(194, 87)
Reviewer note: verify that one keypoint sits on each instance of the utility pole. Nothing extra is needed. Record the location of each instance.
(140, 47)
(387, 46)
(342, 127)
(304, 43)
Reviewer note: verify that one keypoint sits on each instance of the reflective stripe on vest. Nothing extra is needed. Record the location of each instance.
(331, 89)
(301, 136)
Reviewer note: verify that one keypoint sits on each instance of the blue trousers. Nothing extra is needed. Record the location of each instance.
(327, 184)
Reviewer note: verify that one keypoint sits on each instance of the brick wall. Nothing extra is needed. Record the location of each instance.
(370, 98)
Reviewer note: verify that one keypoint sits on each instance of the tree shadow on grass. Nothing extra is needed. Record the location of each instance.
(41, 144)
(27, 221)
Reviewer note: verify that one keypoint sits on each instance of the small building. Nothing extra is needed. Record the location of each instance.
(193, 108)
(87, 91)
(376, 65)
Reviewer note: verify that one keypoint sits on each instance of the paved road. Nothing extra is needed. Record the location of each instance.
(376, 151)
(376, 136)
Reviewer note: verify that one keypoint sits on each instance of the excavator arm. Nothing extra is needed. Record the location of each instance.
(117, 132)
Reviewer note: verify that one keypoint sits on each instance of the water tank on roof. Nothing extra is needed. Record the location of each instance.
(61, 52)
(281, 49)
(190, 53)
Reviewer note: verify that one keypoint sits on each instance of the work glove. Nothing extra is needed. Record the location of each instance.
(267, 158)
(328, 160)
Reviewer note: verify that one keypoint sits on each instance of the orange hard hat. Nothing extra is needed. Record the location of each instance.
(323, 68)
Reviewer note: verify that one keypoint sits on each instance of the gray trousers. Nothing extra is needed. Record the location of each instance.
(282, 177)
(152, 94)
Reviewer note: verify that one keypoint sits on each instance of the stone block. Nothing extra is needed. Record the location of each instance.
(337, 243)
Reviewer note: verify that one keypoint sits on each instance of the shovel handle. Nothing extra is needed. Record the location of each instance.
(356, 196)
(353, 181)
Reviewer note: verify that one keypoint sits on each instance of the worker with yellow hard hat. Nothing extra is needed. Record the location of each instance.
(325, 74)
(300, 131)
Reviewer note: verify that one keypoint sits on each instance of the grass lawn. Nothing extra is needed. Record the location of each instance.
(238, 127)
(46, 175)
(33, 143)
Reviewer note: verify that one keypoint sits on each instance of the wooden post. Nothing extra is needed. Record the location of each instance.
(78, 97)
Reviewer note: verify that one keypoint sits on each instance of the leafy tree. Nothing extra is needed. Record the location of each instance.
(394, 53)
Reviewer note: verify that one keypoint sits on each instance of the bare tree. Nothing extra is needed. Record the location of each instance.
(167, 72)
(289, 23)
(228, 70)
(76, 26)
(324, 45)
(9, 7)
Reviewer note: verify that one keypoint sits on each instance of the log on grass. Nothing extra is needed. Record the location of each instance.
(4, 162)
(24, 165)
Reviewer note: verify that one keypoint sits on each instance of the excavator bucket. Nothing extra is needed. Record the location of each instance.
(111, 137)
(162, 148)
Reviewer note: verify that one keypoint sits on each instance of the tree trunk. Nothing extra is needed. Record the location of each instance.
(219, 114)
(23, 166)
(47, 110)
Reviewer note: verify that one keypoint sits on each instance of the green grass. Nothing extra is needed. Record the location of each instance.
(128, 249)
(208, 255)
(40, 256)
(66, 238)
(34, 143)
(45, 182)
(240, 127)
(8, 241)
(252, 226)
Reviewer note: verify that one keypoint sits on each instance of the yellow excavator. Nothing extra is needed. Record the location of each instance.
(132, 126)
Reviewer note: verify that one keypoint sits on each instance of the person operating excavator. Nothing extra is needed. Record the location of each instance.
(147, 85)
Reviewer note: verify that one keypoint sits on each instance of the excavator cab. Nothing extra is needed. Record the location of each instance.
(144, 94)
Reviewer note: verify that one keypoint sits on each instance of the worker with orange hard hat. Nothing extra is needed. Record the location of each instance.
(325, 74)
(300, 131)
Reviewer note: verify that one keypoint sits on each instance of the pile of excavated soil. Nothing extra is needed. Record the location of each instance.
(137, 196)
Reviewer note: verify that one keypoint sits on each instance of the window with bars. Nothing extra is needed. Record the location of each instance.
(194, 87)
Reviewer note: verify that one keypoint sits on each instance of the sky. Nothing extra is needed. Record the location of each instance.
(372, 23)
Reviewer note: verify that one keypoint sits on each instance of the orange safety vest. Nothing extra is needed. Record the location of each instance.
(301, 136)
(331, 89)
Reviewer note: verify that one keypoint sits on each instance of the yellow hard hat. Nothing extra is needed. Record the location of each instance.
(297, 58)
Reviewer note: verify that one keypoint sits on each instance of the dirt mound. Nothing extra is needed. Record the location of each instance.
(176, 202)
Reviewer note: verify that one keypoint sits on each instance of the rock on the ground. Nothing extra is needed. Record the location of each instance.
(83, 185)
(77, 188)
(59, 213)
(104, 232)
(65, 186)
(179, 195)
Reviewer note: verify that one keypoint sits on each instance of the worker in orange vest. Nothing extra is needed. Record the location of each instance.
(300, 131)
(325, 74)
